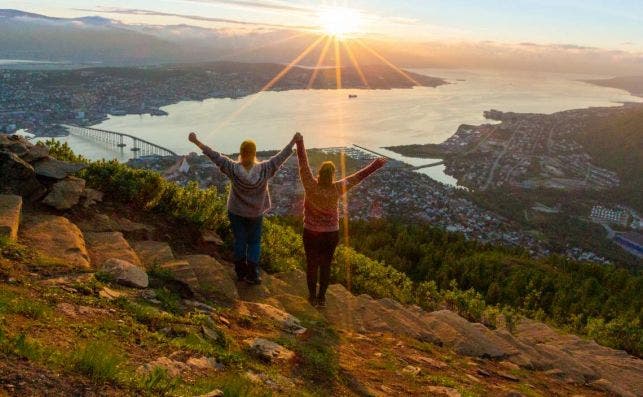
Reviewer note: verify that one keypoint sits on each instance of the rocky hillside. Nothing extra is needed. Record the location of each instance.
(98, 297)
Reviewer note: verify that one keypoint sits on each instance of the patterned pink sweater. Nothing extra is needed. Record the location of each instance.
(321, 203)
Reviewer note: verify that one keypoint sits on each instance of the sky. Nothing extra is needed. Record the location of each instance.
(613, 24)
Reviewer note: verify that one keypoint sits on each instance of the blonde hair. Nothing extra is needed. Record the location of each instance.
(326, 174)
(248, 153)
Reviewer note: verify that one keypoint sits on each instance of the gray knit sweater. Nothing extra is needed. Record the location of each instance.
(249, 196)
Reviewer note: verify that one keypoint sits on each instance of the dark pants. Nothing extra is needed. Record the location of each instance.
(320, 249)
(247, 245)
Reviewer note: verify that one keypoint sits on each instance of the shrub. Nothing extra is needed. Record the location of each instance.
(145, 189)
(282, 249)
(62, 151)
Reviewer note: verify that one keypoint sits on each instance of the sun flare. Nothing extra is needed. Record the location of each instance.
(339, 21)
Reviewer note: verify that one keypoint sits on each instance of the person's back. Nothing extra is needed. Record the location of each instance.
(249, 194)
(248, 201)
(321, 218)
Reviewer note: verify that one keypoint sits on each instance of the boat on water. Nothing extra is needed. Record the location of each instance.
(352, 96)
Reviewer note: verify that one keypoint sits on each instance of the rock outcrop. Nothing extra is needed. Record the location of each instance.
(28, 170)
(532, 346)
(57, 239)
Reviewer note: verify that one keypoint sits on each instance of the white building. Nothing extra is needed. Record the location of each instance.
(602, 214)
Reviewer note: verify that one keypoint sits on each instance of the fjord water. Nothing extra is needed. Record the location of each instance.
(376, 118)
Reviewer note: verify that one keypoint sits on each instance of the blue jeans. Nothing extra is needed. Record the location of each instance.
(247, 244)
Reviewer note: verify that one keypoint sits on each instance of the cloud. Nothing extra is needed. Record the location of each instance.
(555, 46)
(263, 5)
(134, 11)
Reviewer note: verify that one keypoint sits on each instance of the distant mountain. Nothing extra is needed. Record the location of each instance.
(92, 39)
(632, 84)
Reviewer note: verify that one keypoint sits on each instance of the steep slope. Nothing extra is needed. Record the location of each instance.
(104, 298)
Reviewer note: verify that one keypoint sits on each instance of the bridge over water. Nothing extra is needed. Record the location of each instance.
(140, 147)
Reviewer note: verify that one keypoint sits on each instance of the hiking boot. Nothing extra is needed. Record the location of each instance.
(321, 302)
(312, 300)
(241, 268)
(252, 280)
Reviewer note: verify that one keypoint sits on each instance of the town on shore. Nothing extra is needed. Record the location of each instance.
(39, 101)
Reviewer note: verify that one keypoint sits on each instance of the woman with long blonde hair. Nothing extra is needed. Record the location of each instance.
(248, 201)
(321, 217)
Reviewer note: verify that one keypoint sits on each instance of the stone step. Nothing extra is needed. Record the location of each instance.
(213, 278)
(152, 253)
(57, 239)
(103, 246)
(10, 211)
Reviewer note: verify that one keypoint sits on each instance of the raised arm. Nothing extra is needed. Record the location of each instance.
(353, 180)
(305, 174)
(278, 159)
(225, 164)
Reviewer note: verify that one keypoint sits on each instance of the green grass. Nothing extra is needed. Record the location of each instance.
(11, 303)
(23, 346)
(237, 385)
(99, 361)
(318, 354)
(170, 301)
(442, 380)
(158, 382)
(147, 314)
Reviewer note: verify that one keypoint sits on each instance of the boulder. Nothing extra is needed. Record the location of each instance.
(19, 177)
(49, 167)
(110, 245)
(269, 351)
(212, 278)
(91, 197)
(36, 152)
(174, 368)
(181, 271)
(202, 363)
(55, 238)
(153, 253)
(280, 318)
(10, 210)
(65, 193)
(125, 273)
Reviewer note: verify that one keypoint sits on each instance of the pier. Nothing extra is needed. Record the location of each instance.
(140, 147)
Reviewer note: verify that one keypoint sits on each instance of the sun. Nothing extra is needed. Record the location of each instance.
(339, 21)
